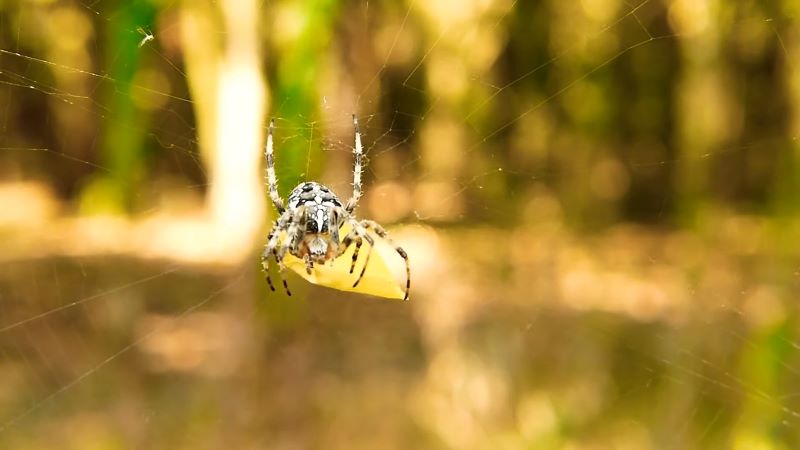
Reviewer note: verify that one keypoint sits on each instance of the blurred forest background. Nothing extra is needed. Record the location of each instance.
(599, 199)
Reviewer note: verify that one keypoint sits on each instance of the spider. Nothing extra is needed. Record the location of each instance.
(311, 219)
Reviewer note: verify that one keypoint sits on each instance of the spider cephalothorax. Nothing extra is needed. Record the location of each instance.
(311, 220)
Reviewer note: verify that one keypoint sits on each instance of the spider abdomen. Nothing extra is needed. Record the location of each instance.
(309, 193)
(315, 207)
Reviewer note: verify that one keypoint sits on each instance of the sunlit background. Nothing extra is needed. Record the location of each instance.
(600, 200)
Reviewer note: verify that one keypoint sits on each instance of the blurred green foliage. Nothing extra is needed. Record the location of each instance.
(123, 151)
(664, 112)
(295, 88)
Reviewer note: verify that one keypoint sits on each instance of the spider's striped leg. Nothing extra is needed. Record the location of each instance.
(359, 242)
(358, 152)
(374, 226)
(290, 242)
(272, 180)
(362, 233)
(265, 263)
(272, 244)
(291, 237)
(309, 264)
(348, 240)
(281, 266)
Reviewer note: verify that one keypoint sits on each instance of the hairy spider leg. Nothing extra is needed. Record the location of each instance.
(272, 180)
(362, 233)
(290, 244)
(359, 242)
(265, 262)
(351, 237)
(358, 151)
(309, 264)
(270, 249)
(381, 232)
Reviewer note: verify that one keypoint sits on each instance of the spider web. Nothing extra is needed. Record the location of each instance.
(525, 330)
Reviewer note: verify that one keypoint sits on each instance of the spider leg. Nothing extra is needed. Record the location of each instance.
(309, 264)
(362, 233)
(359, 241)
(348, 240)
(265, 261)
(293, 229)
(272, 244)
(291, 236)
(381, 232)
(358, 151)
(281, 266)
(272, 180)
